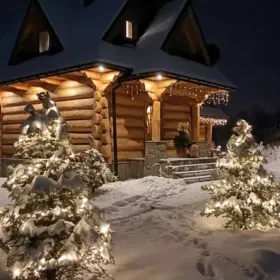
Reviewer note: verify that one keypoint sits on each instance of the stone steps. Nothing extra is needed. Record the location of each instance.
(194, 173)
(187, 161)
(193, 167)
(192, 180)
(192, 170)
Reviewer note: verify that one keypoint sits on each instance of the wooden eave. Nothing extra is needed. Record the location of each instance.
(50, 83)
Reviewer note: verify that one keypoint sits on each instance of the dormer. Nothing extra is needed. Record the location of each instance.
(185, 39)
(132, 21)
(36, 36)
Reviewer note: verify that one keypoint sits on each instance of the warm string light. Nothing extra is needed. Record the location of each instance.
(217, 99)
(133, 90)
(180, 90)
(213, 121)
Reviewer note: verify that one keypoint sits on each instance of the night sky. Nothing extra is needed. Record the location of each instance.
(247, 33)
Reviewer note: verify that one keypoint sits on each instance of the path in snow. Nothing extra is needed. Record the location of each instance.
(160, 235)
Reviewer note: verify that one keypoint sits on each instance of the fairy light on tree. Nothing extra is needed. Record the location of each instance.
(247, 196)
(52, 231)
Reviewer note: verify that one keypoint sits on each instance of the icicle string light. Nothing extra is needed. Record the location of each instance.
(213, 121)
(220, 98)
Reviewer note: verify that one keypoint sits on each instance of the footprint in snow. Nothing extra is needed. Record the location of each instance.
(205, 269)
(127, 201)
(203, 266)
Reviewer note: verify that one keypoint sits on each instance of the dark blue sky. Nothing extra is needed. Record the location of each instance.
(247, 33)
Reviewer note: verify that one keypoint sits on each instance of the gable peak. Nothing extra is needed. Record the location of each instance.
(36, 36)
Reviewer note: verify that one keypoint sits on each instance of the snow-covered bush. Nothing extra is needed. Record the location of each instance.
(93, 169)
(52, 231)
(248, 196)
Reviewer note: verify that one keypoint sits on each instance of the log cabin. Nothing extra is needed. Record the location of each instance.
(124, 71)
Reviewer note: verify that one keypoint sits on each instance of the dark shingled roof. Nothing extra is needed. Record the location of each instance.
(80, 31)
(213, 112)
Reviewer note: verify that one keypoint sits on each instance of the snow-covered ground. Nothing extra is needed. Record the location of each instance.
(160, 235)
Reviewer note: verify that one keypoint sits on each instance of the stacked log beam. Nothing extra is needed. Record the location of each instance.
(74, 100)
(203, 132)
(101, 122)
(131, 126)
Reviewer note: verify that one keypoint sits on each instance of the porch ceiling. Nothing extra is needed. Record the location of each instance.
(89, 77)
(157, 86)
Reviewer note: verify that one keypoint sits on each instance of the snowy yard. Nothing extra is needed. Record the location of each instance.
(160, 235)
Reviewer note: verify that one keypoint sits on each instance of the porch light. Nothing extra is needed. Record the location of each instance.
(101, 68)
(159, 77)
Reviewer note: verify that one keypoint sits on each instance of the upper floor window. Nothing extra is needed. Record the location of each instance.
(128, 29)
(44, 41)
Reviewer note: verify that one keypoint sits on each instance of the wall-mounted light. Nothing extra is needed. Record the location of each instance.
(101, 68)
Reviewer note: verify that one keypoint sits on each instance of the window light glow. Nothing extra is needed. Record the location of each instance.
(44, 41)
(128, 29)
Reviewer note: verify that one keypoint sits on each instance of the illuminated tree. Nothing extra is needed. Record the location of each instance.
(93, 169)
(247, 195)
(52, 231)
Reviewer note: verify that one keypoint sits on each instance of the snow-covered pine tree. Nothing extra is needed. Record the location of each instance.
(52, 231)
(93, 169)
(247, 196)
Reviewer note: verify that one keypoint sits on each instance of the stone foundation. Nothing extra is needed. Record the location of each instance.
(155, 151)
(130, 169)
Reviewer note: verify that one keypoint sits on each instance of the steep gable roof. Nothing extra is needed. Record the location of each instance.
(185, 37)
(81, 31)
(27, 42)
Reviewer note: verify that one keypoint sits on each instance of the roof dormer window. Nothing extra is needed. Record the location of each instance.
(128, 30)
(44, 41)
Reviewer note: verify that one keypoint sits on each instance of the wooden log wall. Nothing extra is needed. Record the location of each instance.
(203, 132)
(101, 124)
(130, 126)
(173, 112)
(74, 100)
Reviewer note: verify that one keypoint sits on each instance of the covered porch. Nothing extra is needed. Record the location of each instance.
(120, 110)
(152, 109)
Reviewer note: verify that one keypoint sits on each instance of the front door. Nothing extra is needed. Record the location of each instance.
(175, 110)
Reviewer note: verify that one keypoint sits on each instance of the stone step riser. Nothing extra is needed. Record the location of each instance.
(181, 168)
(192, 174)
(190, 161)
(196, 180)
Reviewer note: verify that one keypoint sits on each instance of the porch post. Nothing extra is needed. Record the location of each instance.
(195, 121)
(209, 130)
(155, 89)
(156, 121)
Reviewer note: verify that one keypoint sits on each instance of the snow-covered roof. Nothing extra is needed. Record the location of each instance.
(80, 30)
(213, 112)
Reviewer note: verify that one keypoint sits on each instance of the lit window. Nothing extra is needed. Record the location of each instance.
(44, 41)
(128, 29)
(149, 119)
